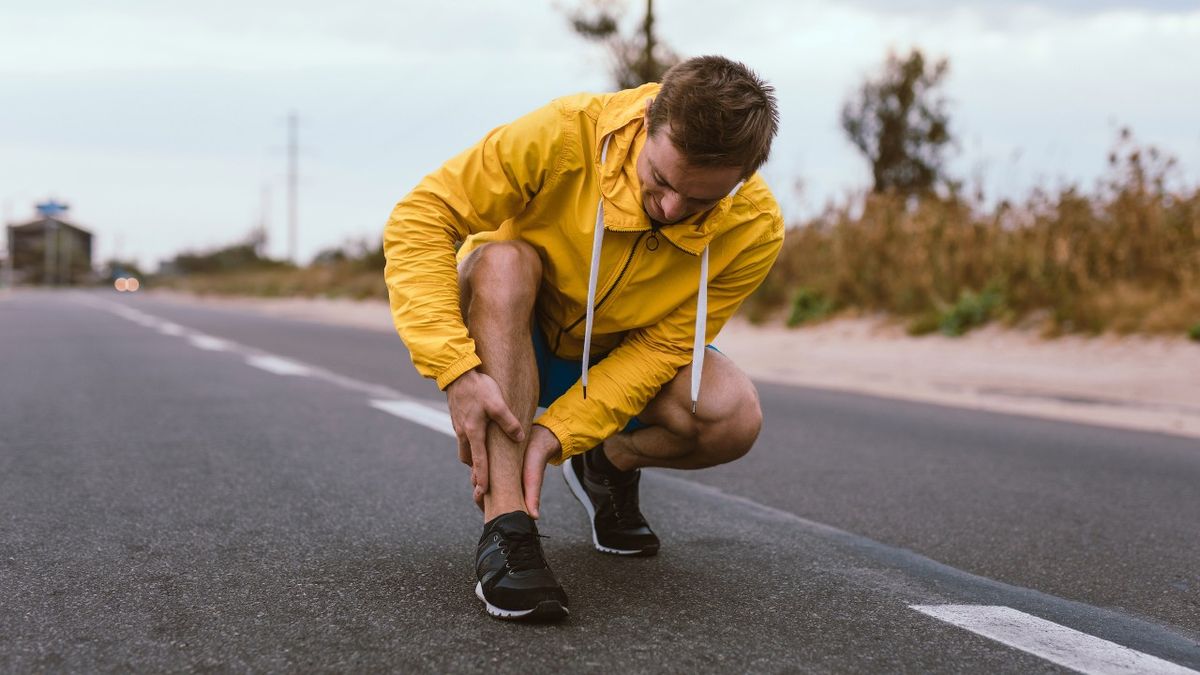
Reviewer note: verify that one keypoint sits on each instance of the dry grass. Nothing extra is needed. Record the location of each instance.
(344, 279)
(1125, 258)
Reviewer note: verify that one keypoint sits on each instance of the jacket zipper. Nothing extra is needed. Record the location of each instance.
(628, 260)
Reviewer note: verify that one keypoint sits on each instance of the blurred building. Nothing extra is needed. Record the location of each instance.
(49, 250)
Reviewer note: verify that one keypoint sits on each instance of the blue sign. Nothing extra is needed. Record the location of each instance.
(51, 208)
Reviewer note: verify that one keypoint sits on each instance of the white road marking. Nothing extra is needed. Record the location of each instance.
(277, 365)
(419, 413)
(274, 363)
(136, 316)
(208, 342)
(126, 312)
(1058, 644)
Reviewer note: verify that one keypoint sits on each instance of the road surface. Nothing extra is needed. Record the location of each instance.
(190, 488)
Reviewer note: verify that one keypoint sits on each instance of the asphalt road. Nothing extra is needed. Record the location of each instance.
(186, 488)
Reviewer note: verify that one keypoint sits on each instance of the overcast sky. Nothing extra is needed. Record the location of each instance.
(160, 123)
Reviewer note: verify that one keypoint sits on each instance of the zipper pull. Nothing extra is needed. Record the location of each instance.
(652, 242)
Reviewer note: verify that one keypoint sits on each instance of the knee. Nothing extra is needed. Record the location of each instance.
(730, 435)
(503, 274)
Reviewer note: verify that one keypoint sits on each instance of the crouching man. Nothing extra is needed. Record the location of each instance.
(604, 239)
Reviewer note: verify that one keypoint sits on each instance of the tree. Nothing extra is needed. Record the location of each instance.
(637, 59)
(900, 123)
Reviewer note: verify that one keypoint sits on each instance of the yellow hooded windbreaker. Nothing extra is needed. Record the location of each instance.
(539, 179)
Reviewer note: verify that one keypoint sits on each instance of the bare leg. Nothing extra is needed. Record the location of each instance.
(499, 285)
(723, 428)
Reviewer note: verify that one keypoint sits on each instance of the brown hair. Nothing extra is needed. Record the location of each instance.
(718, 112)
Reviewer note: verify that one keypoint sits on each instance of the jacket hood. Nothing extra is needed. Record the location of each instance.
(623, 121)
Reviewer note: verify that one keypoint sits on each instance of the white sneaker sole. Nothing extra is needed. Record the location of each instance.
(581, 495)
(545, 610)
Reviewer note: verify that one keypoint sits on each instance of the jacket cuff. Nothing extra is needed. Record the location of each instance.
(454, 370)
(564, 436)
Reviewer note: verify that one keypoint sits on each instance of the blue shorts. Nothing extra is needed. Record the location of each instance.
(557, 375)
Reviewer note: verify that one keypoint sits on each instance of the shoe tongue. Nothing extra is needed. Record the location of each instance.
(517, 522)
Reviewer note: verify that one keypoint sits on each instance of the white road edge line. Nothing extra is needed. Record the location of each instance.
(208, 342)
(1048, 640)
(417, 412)
(277, 365)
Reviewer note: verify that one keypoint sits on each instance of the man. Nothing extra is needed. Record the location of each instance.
(605, 238)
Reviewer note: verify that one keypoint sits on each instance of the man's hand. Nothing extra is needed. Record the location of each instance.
(543, 446)
(475, 401)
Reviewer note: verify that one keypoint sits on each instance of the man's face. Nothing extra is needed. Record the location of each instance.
(673, 189)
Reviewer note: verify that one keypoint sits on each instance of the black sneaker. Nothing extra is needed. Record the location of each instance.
(514, 580)
(618, 526)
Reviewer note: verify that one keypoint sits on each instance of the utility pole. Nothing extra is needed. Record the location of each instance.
(292, 178)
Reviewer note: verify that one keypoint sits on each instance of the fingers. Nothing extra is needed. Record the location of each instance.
(464, 456)
(507, 421)
(531, 478)
(464, 450)
(477, 438)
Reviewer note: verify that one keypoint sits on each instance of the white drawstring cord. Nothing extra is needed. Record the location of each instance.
(701, 324)
(698, 346)
(594, 270)
(701, 343)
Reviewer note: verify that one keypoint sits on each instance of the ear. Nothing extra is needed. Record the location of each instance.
(649, 102)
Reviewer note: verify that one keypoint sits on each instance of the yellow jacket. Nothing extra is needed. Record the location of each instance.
(539, 179)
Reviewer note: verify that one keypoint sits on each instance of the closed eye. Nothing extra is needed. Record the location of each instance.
(660, 181)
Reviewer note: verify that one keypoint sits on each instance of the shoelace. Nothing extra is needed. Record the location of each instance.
(625, 502)
(523, 550)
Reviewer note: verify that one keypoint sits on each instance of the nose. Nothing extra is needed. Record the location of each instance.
(672, 206)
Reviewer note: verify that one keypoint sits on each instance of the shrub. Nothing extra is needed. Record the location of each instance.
(808, 305)
(971, 311)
